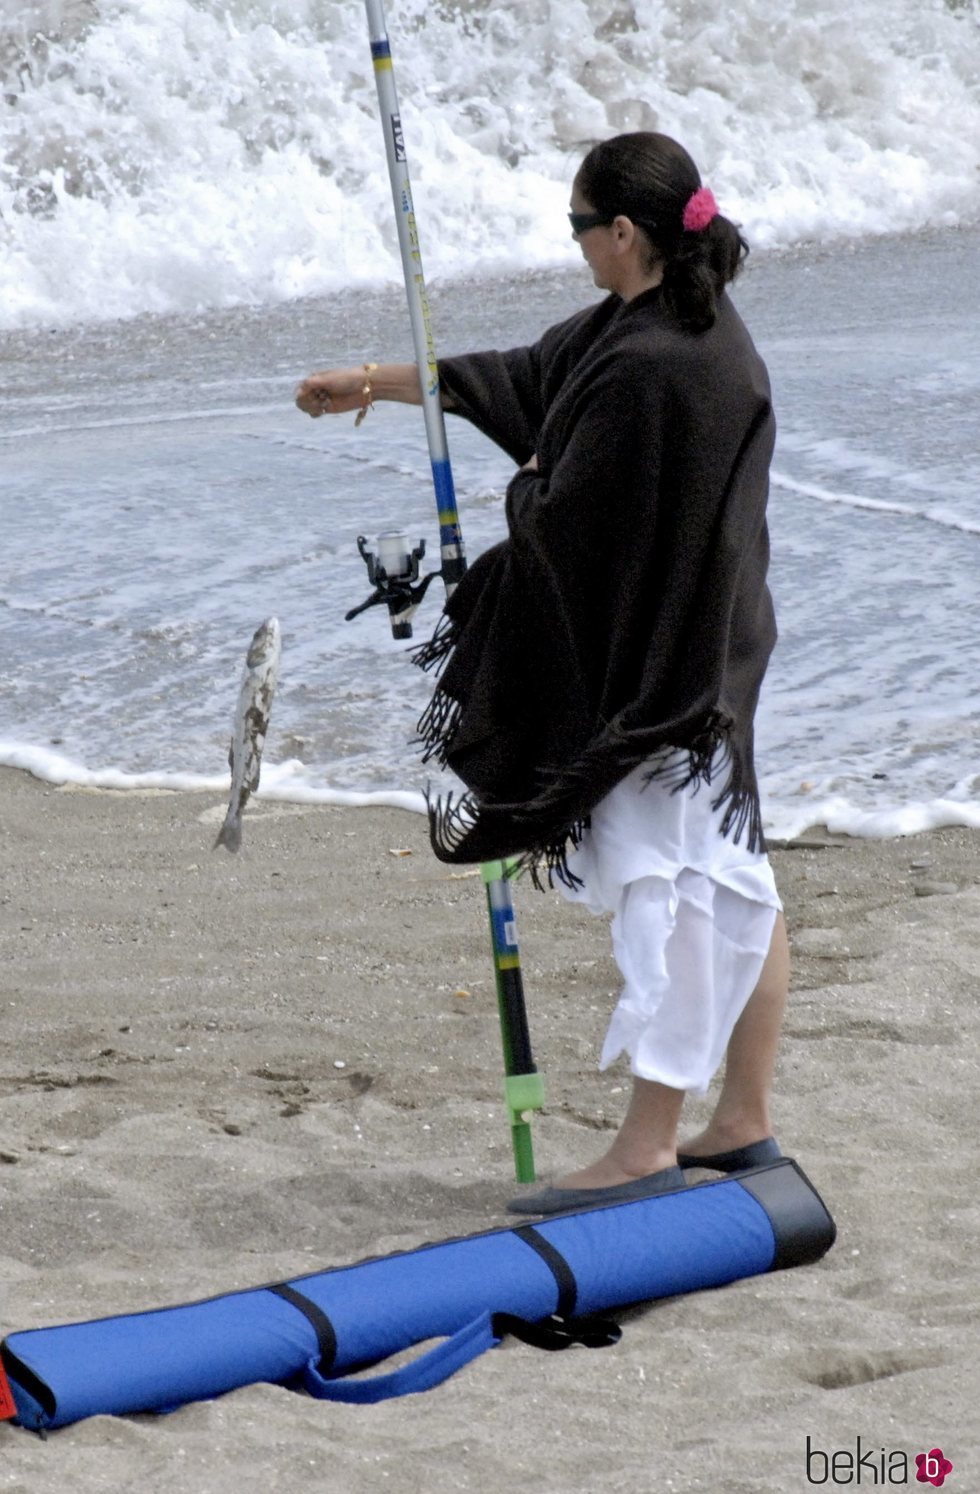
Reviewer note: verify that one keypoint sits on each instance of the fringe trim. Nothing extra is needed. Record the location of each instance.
(437, 726)
(744, 810)
(710, 753)
(452, 822)
(553, 858)
(701, 757)
(462, 830)
(434, 653)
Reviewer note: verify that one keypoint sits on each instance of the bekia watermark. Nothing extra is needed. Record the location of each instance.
(874, 1467)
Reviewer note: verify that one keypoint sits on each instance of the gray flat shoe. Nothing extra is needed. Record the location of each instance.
(756, 1154)
(560, 1200)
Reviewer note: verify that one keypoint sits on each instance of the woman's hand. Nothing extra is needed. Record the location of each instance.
(339, 390)
(336, 391)
(532, 465)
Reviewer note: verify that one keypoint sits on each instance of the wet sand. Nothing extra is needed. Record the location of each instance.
(218, 1071)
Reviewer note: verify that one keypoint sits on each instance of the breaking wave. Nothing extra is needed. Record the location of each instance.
(179, 155)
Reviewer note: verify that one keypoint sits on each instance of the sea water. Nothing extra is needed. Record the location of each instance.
(194, 213)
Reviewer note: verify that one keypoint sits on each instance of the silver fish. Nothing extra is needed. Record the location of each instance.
(251, 724)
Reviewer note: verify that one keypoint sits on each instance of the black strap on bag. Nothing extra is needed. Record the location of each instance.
(562, 1330)
(556, 1333)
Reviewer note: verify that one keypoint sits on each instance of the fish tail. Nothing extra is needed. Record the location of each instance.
(230, 835)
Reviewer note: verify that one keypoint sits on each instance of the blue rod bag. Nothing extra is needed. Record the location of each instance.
(313, 1331)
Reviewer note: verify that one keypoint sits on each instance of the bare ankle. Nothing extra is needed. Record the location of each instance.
(638, 1161)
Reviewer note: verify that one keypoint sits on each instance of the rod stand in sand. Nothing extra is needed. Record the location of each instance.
(523, 1085)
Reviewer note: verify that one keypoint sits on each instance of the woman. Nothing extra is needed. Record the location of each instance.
(603, 664)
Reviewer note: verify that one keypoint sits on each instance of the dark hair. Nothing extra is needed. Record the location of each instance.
(650, 179)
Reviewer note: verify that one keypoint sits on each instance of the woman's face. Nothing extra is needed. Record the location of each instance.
(596, 244)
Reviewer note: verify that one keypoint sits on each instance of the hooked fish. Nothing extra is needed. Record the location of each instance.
(251, 724)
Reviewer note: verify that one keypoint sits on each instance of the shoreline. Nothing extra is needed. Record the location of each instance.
(381, 297)
(217, 1071)
(914, 819)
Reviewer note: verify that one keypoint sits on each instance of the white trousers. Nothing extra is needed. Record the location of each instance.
(693, 916)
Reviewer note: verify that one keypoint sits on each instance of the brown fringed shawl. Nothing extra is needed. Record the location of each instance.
(627, 613)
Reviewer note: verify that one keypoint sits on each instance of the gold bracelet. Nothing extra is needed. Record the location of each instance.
(367, 398)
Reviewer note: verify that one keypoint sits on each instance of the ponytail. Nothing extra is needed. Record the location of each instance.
(697, 267)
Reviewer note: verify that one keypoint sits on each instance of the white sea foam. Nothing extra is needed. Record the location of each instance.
(288, 782)
(293, 782)
(843, 817)
(167, 155)
(877, 505)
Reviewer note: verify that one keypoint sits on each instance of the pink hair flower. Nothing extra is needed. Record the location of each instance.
(701, 208)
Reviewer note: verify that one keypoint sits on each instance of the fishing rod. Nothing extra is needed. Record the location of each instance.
(393, 569)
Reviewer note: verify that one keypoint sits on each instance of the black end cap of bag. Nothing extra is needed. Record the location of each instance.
(801, 1221)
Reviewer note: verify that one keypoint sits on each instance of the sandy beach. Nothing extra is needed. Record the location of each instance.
(218, 1071)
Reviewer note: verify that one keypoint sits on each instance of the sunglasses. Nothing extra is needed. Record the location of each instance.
(582, 221)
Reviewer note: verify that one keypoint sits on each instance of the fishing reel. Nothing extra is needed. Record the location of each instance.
(393, 571)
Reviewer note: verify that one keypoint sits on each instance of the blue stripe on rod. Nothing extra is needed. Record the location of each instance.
(504, 934)
(380, 49)
(442, 479)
